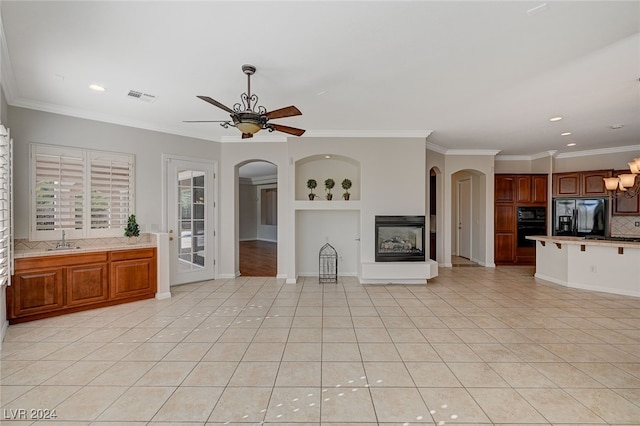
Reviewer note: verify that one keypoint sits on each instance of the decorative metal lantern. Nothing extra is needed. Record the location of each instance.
(328, 264)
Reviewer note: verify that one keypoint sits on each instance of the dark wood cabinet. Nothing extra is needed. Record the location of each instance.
(45, 286)
(504, 247)
(505, 189)
(624, 206)
(580, 184)
(511, 192)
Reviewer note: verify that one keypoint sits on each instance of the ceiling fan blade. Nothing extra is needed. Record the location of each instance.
(216, 103)
(247, 135)
(289, 111)
(287, 129)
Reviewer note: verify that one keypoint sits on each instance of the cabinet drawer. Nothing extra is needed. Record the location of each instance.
(31, 263)
(132, 254)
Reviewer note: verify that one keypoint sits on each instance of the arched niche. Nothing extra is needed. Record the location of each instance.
(325, 166)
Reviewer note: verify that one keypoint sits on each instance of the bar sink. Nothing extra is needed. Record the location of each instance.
(63, 248)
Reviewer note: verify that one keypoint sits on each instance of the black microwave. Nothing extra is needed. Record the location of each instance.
(538, 214)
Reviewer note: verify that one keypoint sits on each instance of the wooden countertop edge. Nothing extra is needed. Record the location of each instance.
(582, 241)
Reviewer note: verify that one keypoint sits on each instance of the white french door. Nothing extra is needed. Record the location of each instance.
(190, 220)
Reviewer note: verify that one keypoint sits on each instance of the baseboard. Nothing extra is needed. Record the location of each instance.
(281, 276)
(226, 276)
(162, 296)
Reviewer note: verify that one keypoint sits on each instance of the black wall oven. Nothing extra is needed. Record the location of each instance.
(530, 221)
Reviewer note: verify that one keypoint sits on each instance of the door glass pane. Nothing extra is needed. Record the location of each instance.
(192, 208)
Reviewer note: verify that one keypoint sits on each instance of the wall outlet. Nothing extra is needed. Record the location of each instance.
(637, 224)
(593, 268)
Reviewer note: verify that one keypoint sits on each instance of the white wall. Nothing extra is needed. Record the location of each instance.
(248, 211)
(478, 164)
(148, 146)
(392, 181)
(235, 155)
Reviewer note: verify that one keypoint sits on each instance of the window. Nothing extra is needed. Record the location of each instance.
(85, 193)
(269, 206)
(5, 206)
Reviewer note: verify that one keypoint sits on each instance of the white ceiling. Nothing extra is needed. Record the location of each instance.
(480, 75)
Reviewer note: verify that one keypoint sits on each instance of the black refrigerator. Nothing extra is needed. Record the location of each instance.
(581, 216)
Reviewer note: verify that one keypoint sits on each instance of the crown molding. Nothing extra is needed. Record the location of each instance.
(473, 152)
(531, 157)
(7, 77)
(436, 148)
(600, 151)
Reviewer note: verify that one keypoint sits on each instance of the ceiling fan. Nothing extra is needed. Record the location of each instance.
(249, 117)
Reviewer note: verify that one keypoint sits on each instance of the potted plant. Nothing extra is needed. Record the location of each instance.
(312, 184)
(132, 230)
(346, 185)
(328, 186)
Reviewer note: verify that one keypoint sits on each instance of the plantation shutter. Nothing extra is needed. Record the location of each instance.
(5, 206)
(111, 179)
(59, 190)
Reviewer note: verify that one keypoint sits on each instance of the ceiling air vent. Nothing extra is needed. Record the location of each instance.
(144, 97)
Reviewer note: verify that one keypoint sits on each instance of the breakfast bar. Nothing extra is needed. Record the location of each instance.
(607, 265)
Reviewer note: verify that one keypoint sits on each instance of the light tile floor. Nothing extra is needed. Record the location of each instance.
(474, 346)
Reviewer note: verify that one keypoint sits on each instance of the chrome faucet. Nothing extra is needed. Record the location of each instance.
(64, 243)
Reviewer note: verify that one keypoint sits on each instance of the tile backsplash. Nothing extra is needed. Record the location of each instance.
(624, 226)
(20, 245)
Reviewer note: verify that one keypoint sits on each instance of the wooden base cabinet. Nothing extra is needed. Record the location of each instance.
(53, 285)
(36, 291)
(132, 274)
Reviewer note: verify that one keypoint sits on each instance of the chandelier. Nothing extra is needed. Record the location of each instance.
(625, 185)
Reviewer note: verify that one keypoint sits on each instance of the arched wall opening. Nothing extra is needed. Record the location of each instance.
(257, 218)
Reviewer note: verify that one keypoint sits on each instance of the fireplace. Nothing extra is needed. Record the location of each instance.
(400, 239)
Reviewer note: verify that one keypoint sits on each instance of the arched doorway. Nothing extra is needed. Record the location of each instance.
(258, 218)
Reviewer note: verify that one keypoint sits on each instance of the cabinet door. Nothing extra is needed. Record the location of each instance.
(539, 189)
(504, 247)
(566, 184)
(132, 278)
(626, 206)
(504, 189)
(505, 218)
(593, 183)
(524, 189)
(37, 291)
(87, 284)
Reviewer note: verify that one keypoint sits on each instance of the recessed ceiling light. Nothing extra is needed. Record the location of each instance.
(327, 156)
(565, 134)
(555, 118)
(571, 144)
(97, 88)
(617, 126)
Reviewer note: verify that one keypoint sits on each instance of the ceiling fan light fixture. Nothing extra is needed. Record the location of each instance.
(248, 127)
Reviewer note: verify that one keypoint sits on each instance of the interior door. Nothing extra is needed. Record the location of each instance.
(190, 220)
(464, 218)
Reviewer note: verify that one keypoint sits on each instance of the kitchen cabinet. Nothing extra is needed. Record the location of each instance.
(514, 191)
(132, 274)
(531, 189)
(624, 206)
(505, 188)
(45, 286)
(580, 184)
(36, 291)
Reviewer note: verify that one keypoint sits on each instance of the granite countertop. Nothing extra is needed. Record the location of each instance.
(25, 248)
(585, 241)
